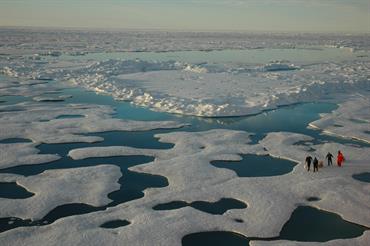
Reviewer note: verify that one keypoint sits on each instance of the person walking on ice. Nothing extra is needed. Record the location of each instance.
(329, 156)
(340, 158)
(315, 165)
(308, 162)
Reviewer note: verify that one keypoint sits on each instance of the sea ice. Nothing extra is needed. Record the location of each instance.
(350, 120)
(191, 177)
(52, 188)
(15, 154)
(39, 122)
(49, 42)
(203, 89)
(222, 91)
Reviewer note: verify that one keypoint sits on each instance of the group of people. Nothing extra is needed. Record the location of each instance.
(316, 163)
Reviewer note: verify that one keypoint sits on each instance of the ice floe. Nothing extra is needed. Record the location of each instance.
(52, 188)
(202, 91)
(270, 201)
(15, 154)
(350, 120)
(40, 122)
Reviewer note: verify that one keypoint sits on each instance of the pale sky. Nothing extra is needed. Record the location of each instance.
(192, 15)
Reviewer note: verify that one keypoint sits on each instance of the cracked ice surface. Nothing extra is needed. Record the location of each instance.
(52, 188)
(351, 119)
(191, 177)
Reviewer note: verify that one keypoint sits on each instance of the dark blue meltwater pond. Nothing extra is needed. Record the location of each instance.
(115, 224)
(215, 238)
(257, 166)
(307, 224)
(219, 207)
(363, 177)
(310, 224)
(12, 190)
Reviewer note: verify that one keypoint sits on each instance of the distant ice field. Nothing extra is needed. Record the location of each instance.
(301, 55)
(207, 83)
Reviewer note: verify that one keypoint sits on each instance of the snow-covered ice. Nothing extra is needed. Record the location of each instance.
(38, 65)
(40, 123)
(229, 92)
(209, 89)
(204, 89)
(79, 42)
(191, 178)
(16, 154)
(52, 188)
(350, 120)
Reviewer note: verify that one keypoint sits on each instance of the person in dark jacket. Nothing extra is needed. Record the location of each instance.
(329, 156)
(308, 162)
(315, 165)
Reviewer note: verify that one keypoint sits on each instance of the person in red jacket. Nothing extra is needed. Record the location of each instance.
(340, 158)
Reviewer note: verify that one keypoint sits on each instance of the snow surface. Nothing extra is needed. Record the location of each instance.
(51, 99)
(202, 89)
(226, 92)
(94, 152)
(16, 154)
(52, 188)
(79, 42)
(351, 119)
(192, 178)
(38, 122)
(206, 89)
(31, 58)
(26, 88)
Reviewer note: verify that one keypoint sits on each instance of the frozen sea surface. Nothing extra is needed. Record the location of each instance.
(91, 170)
(207, 83)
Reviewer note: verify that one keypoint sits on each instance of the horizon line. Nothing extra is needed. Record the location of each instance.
(117, 29)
